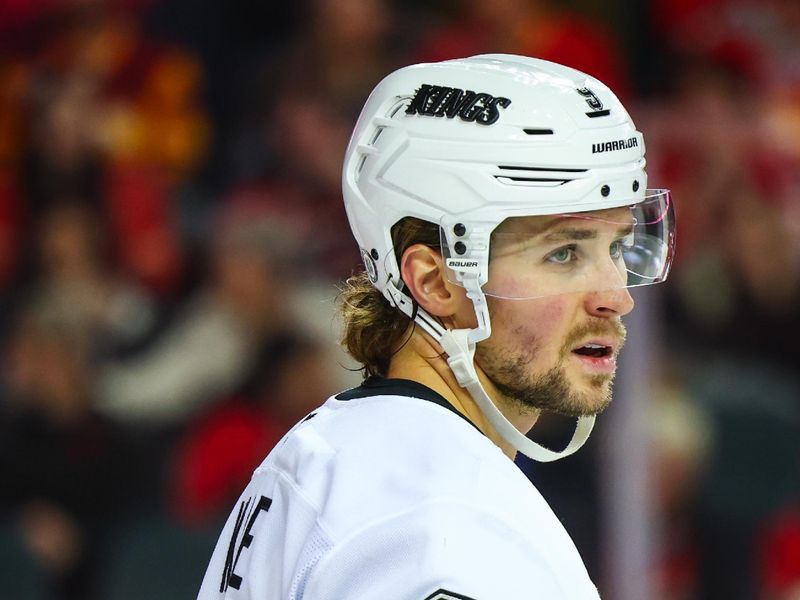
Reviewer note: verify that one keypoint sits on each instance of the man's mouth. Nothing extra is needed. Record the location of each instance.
(594, 350)
(598, 355)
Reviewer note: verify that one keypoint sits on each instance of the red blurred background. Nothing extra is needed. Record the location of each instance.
(172, 232)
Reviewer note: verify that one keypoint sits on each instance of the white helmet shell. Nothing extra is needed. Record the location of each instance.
(477, 140)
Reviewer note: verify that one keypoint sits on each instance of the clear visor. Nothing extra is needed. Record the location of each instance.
(534, 257)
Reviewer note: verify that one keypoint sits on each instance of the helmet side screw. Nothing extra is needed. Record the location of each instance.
(605, 191)
(460, 248)
(636, 185)
(374, 254)
(459, 229)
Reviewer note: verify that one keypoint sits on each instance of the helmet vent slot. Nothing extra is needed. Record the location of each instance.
(535, 176)
(360, 166)
(393, 111)
(532, 181)
(540, 169)
(534, 131)
(377, 134)
(537, 179)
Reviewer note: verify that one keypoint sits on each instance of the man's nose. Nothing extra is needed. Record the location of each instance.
(609, 303)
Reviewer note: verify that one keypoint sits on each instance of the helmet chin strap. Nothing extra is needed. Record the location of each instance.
(461, 352)
(459, 345)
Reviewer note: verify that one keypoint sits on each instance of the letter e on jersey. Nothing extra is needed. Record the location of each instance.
(229, 576)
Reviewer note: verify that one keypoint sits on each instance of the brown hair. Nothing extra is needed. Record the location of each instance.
(373, 328)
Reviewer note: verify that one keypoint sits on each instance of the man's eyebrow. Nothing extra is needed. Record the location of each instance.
(570, 233)
(576, 234)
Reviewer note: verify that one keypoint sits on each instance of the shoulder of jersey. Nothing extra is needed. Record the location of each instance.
(378, 455)
(368, 432)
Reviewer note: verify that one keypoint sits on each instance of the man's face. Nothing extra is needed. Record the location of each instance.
(557, 351)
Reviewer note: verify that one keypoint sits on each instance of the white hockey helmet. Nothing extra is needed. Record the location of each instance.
(469, 144)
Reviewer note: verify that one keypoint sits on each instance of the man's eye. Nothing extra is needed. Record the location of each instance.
(562, 255)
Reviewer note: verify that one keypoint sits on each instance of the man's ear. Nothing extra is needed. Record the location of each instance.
(423, 272)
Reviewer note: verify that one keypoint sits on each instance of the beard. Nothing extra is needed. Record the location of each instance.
(551, 391)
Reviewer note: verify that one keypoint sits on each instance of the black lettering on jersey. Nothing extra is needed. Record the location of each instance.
(441, 594)
(226, 572)
(229, 577)
(442, 101)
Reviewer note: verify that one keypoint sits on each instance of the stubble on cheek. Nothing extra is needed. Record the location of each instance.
(527, 361)
(521, 327)
(516, 343)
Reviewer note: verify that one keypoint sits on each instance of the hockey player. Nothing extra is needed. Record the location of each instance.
(501, 208)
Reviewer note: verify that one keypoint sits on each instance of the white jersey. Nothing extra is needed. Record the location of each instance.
(387, 492)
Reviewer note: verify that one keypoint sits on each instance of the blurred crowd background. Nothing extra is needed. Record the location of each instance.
(172, 234)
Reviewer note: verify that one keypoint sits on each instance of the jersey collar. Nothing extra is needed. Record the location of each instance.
(381, 386)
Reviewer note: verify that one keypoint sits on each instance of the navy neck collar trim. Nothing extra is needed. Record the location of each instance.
(380, 386)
